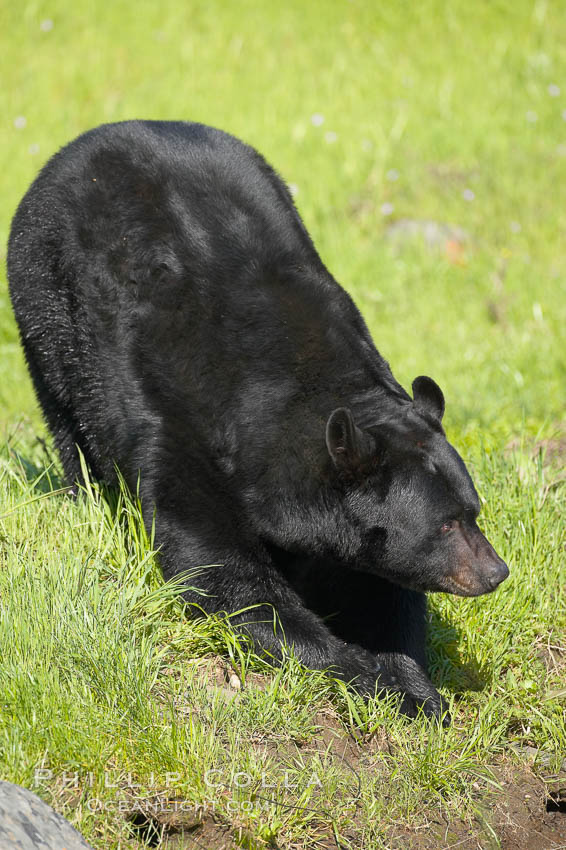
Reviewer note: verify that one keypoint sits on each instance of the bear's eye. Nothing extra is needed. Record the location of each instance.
(449, 525)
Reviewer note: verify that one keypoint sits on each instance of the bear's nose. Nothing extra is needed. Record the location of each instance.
(498, 572)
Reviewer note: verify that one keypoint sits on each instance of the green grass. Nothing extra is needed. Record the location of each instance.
(102, 672)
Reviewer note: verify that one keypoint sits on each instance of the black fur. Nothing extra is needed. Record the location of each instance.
(178, 322)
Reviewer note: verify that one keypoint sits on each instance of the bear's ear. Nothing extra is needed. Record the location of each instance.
(348, 446)
(428, 397)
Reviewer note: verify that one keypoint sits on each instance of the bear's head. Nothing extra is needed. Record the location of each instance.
(408, 495)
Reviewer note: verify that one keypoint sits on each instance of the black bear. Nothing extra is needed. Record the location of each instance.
(179, 324)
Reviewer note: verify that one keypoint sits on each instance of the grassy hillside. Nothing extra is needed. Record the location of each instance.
(426, 147)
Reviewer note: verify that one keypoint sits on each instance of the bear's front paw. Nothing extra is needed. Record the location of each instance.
(431, 706)
(363, 671)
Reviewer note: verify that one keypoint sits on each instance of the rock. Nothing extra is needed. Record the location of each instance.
(27, 823)
(234, 682)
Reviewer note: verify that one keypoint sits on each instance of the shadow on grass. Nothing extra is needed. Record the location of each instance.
(42, 473)
(365, 609)
(446, 666)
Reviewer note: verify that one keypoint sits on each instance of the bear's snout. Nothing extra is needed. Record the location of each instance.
(478, 568)
(497, 573)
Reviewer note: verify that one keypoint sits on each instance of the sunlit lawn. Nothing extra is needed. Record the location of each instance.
(452, 113)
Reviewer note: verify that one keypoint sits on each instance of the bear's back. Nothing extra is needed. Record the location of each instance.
(145, 193)
(160, 269)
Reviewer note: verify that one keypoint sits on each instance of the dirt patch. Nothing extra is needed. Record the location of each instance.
(179, 831)
(208, 836)
(439, 237)
(435, 234)
(531, 813)
(552, 450)
(448, 173)
(217, 675)
(552, 655)
(528, 813)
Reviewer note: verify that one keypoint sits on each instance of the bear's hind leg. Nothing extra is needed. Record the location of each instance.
(60, 421)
